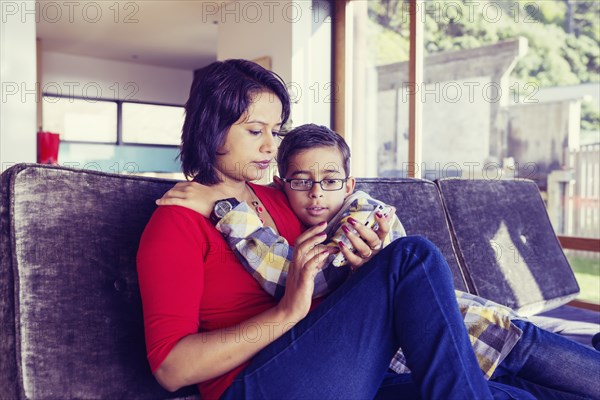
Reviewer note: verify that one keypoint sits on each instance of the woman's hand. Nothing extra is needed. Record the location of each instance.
(308, 258)
(368, 242)
(192, 195)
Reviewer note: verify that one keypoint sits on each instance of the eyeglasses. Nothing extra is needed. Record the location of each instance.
(307, 184)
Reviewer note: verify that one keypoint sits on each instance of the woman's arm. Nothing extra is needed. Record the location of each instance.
(202, 356)
(172, 284)
(192, 195)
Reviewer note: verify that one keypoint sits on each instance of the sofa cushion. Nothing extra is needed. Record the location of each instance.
(507, 244)
(72, 321)
(420, 209)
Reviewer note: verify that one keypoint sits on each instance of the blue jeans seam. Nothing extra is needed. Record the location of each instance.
(454, 341)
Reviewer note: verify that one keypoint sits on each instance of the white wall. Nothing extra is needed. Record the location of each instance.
(114, 80)
(17, 82)
(251, 30)
(297, 37)
(311, 64)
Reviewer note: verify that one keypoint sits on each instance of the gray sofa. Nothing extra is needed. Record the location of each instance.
(70, 312)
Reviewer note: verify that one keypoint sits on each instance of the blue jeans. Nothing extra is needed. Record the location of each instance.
(404, 297)
(551, 366)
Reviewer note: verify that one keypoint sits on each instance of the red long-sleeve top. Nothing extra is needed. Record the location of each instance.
(191, 281)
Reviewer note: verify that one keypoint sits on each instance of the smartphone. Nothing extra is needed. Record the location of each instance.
(338, 260)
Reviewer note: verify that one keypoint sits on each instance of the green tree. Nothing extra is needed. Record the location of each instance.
(563, 35)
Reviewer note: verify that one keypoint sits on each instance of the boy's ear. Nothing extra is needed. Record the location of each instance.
(279, 184)
(350, 186)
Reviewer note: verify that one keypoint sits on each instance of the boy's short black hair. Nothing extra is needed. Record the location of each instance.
(310, 136)
(220, 94)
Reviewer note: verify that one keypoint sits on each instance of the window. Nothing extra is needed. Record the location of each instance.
(149, 123)
(510, 90)
(81, 120)
(378, 111)
(118, 122)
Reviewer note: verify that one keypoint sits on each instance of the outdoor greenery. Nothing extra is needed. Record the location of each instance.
(590, 117)
(563, 35)
(587, 272)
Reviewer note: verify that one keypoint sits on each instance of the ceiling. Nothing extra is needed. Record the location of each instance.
(176, 34)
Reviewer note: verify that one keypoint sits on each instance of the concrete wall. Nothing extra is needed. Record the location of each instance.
(539, 136)
(455, 127)
(465, 96)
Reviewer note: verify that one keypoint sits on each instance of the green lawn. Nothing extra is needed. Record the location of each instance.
(587, 272)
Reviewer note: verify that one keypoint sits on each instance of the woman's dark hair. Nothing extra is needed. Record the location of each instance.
(219, 96)
(310, 136)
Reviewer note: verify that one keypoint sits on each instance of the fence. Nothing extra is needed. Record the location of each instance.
(582, 199)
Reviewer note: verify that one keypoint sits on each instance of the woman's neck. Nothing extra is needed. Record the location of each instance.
(238, 189)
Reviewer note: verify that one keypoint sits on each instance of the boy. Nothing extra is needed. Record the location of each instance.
(314, 165)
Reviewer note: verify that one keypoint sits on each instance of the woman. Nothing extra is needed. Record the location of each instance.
(208, 321)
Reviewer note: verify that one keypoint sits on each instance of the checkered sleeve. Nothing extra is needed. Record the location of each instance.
(262, 252)
(266, 255)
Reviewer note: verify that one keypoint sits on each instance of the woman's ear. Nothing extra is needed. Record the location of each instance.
(278, 182)
(349, 186)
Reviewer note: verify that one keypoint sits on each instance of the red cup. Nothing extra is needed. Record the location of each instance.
(47, 147)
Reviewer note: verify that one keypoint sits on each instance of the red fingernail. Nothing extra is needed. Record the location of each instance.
(322, 234)
(352, 220)
(379, 215)
(345, 229)
(323, 223)
(341, 244)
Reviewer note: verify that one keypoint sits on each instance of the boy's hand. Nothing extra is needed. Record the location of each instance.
(368, 242)
(192, 195)
(310, 255)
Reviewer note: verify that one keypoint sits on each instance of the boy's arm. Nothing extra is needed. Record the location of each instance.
(266, 255)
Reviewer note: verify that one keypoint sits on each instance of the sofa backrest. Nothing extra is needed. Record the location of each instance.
(421, 211)
(506, 243)
(70, 313)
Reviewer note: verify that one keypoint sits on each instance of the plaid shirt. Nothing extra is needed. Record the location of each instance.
(266, 256)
